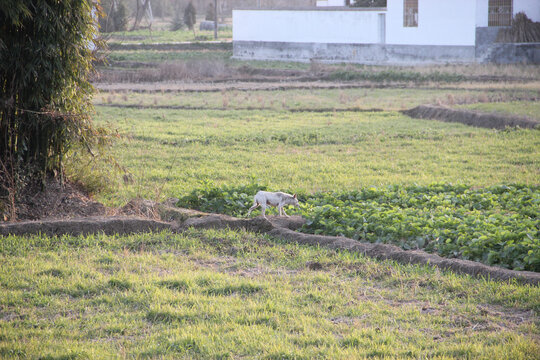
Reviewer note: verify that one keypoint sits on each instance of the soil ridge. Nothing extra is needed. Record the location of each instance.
(473, 118)
(168, 217)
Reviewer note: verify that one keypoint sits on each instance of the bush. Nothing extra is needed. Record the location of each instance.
(177, 24)
(190, 16)
(210, 12)
(114, 16)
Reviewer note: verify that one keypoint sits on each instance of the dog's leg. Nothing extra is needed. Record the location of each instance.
(284, 212)
(280, 208)
(252, 208)
(263, 210)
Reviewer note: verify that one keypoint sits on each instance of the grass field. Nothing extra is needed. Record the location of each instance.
(339, 99)
(530, 109)
(163, 35)
(235, 295)
(229, 295)
(176, 55)
(174, 151)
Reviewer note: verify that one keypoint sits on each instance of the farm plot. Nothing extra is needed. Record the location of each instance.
(175, 151)
(315, 99)
(140, 57)
(163, 35)
(226, 295)
(497, 225)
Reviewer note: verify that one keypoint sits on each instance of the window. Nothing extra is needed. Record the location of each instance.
(500, 13)
(410, 13)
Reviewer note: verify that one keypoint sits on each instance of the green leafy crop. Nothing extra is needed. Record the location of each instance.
(498, 225)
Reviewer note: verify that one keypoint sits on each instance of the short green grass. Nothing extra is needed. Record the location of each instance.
(171, 152)
(229, 295)
(169, 55)
(145, 36)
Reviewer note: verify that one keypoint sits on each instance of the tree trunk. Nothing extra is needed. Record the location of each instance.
(215, 20)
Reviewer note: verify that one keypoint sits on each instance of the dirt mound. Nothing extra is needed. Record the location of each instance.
(391, 252)
(121, 225)
(55, 200)
(282, 228)
(217, 221)
(166, 211)
(473, 118)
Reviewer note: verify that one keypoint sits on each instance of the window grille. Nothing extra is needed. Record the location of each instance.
(410, 13)
(500, 13)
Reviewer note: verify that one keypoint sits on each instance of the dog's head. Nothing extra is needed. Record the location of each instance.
(295, 201)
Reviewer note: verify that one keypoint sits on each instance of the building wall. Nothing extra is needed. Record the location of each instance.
(353, 53)
(482, 13)
(447, 31)
(331, 3)
(344, 26)
(440, 22)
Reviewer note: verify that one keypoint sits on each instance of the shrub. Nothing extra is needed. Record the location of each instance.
(190, 16)
(114, 16)
(177, 23)
(210, 12)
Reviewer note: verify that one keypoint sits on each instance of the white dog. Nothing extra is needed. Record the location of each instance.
(279, 199)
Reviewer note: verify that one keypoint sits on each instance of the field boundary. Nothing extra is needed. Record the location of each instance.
(268, 85)
(470, 117)
(234, 85)
(281, 228)
(181, 107)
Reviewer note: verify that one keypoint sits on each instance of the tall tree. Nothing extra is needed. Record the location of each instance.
(46, 54)
(144, 9)
(190, 16)
(114, 16)
(215, 19)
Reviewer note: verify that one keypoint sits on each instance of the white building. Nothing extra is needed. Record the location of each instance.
(406, 31)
